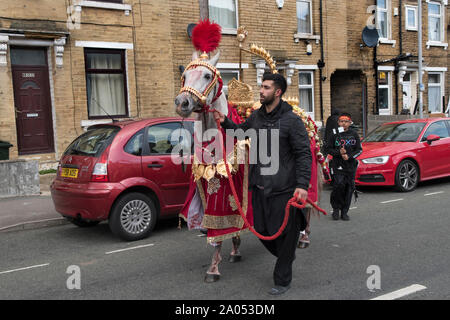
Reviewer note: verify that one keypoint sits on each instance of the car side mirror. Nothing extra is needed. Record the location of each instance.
(432, 137)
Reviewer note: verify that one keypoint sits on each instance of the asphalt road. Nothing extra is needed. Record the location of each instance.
(405, 236)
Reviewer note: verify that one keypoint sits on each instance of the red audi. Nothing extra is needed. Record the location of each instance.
(125, 172)
(403, 153)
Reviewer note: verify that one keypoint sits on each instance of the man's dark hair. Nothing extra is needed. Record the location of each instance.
(278, 80)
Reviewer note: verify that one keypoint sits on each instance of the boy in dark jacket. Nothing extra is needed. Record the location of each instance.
(344, 145)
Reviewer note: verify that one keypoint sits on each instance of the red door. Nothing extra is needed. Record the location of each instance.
(436, 157)
(32, 101)
(158, 167)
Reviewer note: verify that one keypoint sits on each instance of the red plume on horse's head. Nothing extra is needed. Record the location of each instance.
(206, 36)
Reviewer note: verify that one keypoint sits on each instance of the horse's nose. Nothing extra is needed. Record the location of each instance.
(185, 104)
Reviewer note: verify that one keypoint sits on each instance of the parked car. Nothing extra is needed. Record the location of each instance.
(123, 172)
(403, 153)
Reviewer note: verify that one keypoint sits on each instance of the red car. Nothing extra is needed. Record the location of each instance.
(403, 153)
(123, 172)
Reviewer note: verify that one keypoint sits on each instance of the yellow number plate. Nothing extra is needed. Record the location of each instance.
(69, 173)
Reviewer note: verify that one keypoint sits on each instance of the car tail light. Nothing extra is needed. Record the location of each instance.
(100, 172)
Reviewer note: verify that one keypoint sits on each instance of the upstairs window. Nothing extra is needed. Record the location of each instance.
(225, 14)
(411, 18)
(304, 17)
(383, 19)
(435, 25)
(106, 83)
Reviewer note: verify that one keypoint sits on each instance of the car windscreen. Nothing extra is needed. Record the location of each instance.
(93, 142)
(396, 132)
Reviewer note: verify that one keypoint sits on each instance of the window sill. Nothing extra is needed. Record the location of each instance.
(437, 44)
(105, 5)
(229, 31)
(388, 41)
(306, 36)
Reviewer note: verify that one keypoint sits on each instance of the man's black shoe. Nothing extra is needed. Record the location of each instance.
(278, 290)
(335, 214)
(345, 217)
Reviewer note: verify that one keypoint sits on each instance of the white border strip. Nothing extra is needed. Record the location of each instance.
(401, 293)
(104, 45)
(226, 65)
(126, 249)
(306, 67)
(26, 268)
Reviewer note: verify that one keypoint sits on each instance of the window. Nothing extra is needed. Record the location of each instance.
(435, 92)
(115, 1)
(435, 25)
(106, 83)
(224, 13)
(162, 138)
(227, 75)
(384, 92)
(134, 145)
(438, 128)
(411, 18)
(306, 92)
(384, 19)
(304, 17)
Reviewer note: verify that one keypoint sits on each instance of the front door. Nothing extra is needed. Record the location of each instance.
(407, 95)
(32, 100)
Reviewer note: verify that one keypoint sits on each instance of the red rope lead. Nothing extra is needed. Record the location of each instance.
(291, 202)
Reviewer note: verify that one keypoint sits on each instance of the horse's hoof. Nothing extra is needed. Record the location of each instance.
(235, 258)
(210, 278)
(303, 245)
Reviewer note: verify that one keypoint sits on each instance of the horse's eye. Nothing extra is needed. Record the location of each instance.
(207, 76)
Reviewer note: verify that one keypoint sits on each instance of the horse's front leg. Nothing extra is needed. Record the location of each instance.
(213, 274)
(235, 255)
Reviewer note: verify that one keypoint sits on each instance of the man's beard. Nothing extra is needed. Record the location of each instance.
(267, 100)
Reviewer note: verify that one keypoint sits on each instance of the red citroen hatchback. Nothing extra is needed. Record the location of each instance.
(403, 153)
(124, 172)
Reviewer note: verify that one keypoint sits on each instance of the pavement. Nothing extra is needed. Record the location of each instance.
(29, 212)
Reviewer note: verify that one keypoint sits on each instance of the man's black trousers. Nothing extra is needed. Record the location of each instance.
(268, 216)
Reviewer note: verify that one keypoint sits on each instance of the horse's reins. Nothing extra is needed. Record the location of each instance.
(207, 108)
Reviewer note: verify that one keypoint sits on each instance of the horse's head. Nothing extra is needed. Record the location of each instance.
(199, 85)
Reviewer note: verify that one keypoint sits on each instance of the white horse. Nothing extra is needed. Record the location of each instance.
(199, 79)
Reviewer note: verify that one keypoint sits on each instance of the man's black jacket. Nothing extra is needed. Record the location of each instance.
(294, 149)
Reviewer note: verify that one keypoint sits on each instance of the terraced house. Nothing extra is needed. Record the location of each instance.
(67, 64)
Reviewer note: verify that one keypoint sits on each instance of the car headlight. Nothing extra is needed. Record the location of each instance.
(376, 160)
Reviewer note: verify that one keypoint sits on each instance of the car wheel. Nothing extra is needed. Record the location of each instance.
(133, 217)
(406, 176)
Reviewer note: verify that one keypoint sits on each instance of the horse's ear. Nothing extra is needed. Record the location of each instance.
(194, 55)
(215, 59)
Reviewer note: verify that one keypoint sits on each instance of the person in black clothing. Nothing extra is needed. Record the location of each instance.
(344, 146)
(331, 126)
(270, 193)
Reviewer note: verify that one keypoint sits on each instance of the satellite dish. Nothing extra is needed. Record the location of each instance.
(190, 27)
(370, 37)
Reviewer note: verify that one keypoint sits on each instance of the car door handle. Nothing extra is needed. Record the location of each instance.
(155, 165)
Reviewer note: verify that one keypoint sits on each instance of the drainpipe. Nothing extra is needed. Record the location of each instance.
(375, 66)
(321, 63)
(401, 52)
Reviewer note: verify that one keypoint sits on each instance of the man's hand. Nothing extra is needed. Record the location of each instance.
(301, 194)
(343, 151)
(219, 115)
(345, 157)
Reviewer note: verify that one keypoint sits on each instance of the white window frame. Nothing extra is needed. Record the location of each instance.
(307, 86)
(443, 10)
(388, 86)
(388, 17)
(310, 20)
(441, 86)
(416, 18)
(232, 30)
